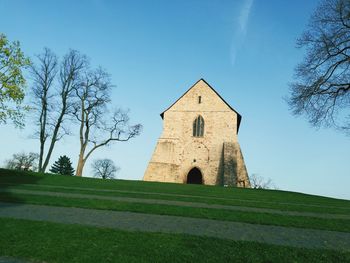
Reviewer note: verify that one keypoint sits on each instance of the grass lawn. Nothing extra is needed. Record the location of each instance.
(280, 205)
(16, 177)
(197, 193)
(52, 242)
(218, 214)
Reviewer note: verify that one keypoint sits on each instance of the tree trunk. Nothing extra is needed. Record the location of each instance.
(43, 120)
(52, 144)
(80, 167)
(42, 138)
(81, 160)
(41, 170)
(83, 140)
(56, 130)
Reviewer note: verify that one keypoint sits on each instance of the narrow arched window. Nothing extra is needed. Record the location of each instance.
(198, 127)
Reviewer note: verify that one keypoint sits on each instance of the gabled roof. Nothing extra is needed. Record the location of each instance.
(239, 117)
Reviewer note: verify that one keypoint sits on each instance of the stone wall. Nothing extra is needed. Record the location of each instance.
(178, 151)
(234, 169)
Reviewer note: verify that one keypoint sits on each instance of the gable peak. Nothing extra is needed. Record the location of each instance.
(202, 80)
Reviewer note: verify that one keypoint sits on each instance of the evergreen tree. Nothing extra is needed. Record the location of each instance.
(62, 166)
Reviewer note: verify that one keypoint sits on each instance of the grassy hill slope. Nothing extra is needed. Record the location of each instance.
(54, 242)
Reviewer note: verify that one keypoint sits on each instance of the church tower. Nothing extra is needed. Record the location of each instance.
(199, 142)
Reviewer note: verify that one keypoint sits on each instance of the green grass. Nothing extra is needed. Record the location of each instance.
(197, 193)
(314, 208)
(16, 177)
(218, 214)
(53, 242)
(192, 193)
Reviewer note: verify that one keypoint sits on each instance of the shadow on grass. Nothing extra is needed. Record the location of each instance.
(13, 178)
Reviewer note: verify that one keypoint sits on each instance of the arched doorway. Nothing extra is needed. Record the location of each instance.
(194, 176)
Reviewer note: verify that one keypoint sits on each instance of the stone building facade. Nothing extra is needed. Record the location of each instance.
(199, 142)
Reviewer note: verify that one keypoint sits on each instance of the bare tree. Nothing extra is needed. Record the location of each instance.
(321, 90)
(43, 77)
(258, 182)
(53, 93)
(23, 161)
(96, 128)
(104, 168)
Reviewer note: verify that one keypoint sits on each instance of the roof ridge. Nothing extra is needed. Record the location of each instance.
(239, 116)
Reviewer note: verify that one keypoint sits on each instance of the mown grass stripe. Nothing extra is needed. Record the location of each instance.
(61, 243)
(195, 212)
(241, 203)
(20, 177)
(160, 195)
(239, 231)
(175, 203)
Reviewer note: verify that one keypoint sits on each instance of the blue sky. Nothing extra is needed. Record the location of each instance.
(155, 50)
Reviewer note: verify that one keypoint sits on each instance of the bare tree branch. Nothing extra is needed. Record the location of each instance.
(104, 168)
(43, 77)
(53, 94)
(258, 182)
(23, 161)
(96, 128)
(321, 90)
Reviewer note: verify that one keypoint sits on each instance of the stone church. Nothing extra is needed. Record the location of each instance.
(199, 142)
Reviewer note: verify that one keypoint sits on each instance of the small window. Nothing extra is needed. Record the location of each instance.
(198, 127)
(199, 99)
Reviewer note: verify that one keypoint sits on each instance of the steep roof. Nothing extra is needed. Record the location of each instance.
(239, 116)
